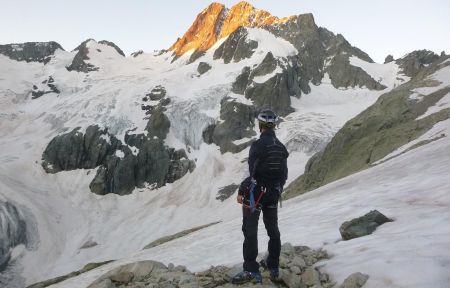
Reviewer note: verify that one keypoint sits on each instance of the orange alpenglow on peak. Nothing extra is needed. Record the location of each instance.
(216, 22)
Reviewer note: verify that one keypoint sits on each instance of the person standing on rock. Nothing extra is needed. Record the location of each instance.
(261, 192)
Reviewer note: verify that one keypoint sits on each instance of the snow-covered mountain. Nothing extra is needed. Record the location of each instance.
(101, 153)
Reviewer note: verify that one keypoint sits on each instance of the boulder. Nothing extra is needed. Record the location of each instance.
(356, 280)
(362, 226)
(311, 277)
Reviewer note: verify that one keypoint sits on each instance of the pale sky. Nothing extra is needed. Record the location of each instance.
(378, 27)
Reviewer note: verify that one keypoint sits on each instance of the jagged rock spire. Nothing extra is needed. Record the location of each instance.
(216, 22)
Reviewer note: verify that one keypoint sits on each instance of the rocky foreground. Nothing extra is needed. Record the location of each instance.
(297, 269)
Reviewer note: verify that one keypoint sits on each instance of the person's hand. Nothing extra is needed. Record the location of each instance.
(240, 199)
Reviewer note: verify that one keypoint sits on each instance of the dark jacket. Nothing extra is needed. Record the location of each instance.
(267, 160)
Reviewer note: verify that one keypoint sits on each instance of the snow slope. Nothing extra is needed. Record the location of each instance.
(412, 251)
(67, 214)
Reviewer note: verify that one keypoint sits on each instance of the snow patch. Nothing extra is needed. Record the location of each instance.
(269, 42)
(120, 154)
(386, 74)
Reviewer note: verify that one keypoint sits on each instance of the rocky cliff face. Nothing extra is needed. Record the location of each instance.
(216, 22)
(30, 51)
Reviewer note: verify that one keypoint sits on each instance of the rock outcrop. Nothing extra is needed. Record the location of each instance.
(415, 61)
(46, 87)
(30, 51)
(78, 63)
(237, 123)
(296, 265)
(13, 231)
(382, 128)
(275, 90)
(236, 47)
(362, 226)
(297, 270)
(389, 59)
(141, 160)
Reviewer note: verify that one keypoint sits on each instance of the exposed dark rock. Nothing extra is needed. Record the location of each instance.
(77, 151)
(89, 244)
(379, 130)
(59, 279)
(275, 92)
(30, 51)
(318, 48)
(13, 231)
(238, 123)
(47, 89)
(236, 47)
(179, 165)
(157, 93)
(137, 53)
(242, 81)
(203, 67)
(267, 66)
(208, 133)
(226, 192)
(197, 54)
(78, 63)
(120, 169)
(362, 226)
(412, 63)
(164, 102)
(169, 238)
(342, 74)
(158, 125)
(104, 42)
(389, 59)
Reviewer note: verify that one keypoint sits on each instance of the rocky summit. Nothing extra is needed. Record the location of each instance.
(217, 22)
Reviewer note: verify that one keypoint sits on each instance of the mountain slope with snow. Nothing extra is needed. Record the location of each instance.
(157, 113)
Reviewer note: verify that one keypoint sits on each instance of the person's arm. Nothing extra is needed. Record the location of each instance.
(285, 169)
(253, 158)
(285, 173)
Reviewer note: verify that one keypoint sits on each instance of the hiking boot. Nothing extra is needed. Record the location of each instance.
(274, 274)
(246, 277)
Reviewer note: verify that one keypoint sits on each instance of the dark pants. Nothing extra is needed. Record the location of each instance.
(250, 229)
